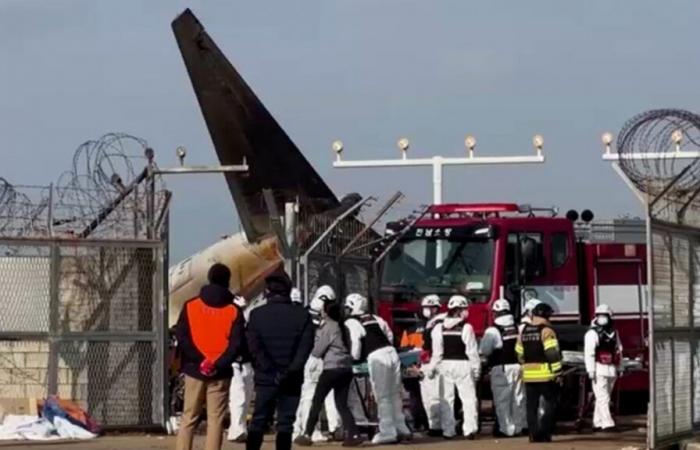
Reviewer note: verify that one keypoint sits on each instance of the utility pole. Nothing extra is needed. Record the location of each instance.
(438, 162)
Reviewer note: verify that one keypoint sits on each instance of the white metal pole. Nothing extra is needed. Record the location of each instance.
(437, 180)
(437, 163)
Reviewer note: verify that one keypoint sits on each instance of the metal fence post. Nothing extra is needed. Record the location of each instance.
(49, 225)
(651, 413)
(54, 299)
(164, 301)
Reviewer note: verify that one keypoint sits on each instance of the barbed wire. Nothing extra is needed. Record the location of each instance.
(652, 132)
(102, 171)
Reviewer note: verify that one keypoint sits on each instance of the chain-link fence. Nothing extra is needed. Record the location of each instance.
(339, 251)
(674, 249)
(84, 319)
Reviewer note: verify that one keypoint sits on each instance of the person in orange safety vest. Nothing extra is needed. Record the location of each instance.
(209, 333)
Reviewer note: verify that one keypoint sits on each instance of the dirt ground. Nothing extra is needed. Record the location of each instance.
(631, 437)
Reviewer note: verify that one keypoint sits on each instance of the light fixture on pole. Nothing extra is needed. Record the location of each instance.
(403, 145)
(337, 147)
(470, 143)
(607, 139)
(181, 153)
(538, 143)
(438, 162)
(677, 138)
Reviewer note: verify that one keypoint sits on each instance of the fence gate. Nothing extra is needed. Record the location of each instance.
(85, 320)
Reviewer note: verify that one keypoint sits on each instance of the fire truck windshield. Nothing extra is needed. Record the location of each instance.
(441, 265)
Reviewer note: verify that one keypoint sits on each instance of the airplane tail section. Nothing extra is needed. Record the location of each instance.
(242, 128)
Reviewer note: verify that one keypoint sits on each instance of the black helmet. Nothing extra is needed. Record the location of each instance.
(543, 310)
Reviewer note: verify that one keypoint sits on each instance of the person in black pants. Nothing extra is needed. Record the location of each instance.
(332, 346)
(280, 338)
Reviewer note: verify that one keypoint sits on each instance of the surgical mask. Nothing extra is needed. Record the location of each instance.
(602, 320)
(427, 313)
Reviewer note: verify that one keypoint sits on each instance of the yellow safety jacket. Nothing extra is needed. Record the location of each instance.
(538, 351)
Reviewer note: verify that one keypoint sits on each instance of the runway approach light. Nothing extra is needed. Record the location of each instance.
(607, 139)
(403, 145)
(470, 142)
(181, 153)
(337, 147)
(538, 143)
(677, 137)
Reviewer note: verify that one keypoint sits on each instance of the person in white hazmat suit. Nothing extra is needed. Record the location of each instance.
(432, 389)
(602, 352)
(312, 372)
(241, 389)
(371, 341)
(456, 355)
(498, 347)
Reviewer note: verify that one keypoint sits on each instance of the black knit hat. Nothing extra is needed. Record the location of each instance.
(219, 275)
(278, 283)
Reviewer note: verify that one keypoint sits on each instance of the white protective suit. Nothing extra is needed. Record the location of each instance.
(459, 374)
(432, 389)
(312, 372)
(242, 386)
(385, 377)
(602, 377)
(240, 396)
(506, 382)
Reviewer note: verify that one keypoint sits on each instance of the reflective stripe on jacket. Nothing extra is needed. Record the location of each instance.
(538, 351)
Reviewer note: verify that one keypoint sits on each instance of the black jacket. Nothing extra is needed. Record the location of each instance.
(280, 337)
(219, 298)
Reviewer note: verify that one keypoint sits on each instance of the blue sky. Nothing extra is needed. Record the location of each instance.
(365, 71)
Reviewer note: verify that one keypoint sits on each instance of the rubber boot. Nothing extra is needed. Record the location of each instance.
(254, 441)
(283, 441)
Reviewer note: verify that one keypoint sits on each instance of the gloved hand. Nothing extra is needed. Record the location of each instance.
(207, 368)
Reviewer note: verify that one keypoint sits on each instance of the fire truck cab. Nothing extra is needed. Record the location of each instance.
(492, 251)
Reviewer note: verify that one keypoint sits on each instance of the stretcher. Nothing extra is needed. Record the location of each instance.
(366, 415)
(574, 365)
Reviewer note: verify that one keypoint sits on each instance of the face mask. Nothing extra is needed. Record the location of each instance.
(602, 320)
(427, 313)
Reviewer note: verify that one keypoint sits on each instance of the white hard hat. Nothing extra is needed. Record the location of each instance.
(604, 309)
(356, 303)
(429, 301)
(500, 305)
(325, 293)
(295, 295)
(240, 301)
(457, 301)
(530, 305)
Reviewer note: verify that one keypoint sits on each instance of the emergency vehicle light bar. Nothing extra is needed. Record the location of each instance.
(452, 208)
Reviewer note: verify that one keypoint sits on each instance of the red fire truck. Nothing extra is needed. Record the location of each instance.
(492, 251)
